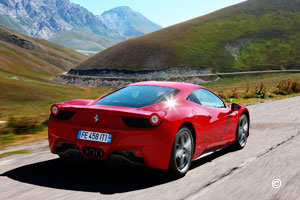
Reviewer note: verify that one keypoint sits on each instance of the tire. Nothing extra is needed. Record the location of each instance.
(242, 132)
(182, 153)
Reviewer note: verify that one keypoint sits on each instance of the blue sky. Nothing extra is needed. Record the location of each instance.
(162, 12)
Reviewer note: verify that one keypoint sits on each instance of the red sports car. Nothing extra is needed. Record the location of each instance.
(164, 125)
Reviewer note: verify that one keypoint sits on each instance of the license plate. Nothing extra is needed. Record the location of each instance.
(94, 136)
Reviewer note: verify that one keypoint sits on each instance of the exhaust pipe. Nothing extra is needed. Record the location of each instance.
(91, 152)
(99, 153)
(85, 151)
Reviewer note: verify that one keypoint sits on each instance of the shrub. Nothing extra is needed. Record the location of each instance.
(24, 125)
(4, 130)
(248, 93)
(247, 88)
(234, 94)
(260, 91)
(271, 96)
(287, 87)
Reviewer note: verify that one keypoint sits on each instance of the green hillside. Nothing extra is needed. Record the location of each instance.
(253, 35)
(242, 41)
(27, 66)
(80, 40)
(32, 57)
(21, 96)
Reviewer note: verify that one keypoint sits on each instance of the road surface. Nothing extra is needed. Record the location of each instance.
(272, 154)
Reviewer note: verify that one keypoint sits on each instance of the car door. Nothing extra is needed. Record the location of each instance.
(218, 114)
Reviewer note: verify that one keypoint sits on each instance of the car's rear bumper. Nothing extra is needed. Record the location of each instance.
(154, 143)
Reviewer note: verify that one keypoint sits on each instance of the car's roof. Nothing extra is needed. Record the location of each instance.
(174, 85)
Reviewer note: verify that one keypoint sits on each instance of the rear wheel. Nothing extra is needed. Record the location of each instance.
(182, 152)
(242, 132)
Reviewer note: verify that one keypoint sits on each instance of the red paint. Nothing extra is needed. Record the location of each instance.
(213, 127)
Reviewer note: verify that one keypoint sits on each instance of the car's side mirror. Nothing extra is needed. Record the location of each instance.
(235, 107)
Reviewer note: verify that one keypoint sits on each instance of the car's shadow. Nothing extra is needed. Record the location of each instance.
(96, 177)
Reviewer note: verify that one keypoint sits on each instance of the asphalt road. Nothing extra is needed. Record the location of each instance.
(272, 152)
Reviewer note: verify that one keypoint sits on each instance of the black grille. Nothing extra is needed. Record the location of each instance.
(64, 115)
(136, 122)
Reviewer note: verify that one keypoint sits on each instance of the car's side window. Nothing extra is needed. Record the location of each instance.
(193, 98)
(206, 98)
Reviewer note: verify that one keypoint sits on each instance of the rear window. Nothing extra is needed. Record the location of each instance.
(137, 96)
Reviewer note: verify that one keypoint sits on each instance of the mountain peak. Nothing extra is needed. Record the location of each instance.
(48, 18)
(121, 8)
(127, 22)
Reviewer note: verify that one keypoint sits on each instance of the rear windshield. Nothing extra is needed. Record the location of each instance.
(137, 96)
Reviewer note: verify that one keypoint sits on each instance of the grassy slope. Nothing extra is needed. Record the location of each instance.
(31, 57)
(27, 97)
(255, 34)
(80, 40)
(273, 41)
(26, 65)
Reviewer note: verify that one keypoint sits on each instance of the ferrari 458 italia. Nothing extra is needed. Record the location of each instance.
(164, 125)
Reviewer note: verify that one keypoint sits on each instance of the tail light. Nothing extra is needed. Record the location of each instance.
(138, 153)
(155, 119)
(64, 115)
(54, 110)
(136, 122)
(148, 122)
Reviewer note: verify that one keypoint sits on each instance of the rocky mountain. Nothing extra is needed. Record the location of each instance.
(49, 18)
(46, 18)
(253, 35)
(127, 22)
